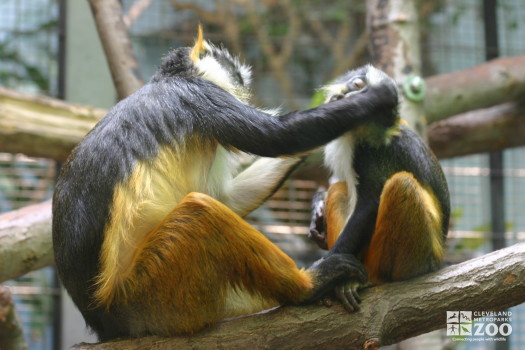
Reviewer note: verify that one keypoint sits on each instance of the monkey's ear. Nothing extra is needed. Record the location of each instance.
(199, 46)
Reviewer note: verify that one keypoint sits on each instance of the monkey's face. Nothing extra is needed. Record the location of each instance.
(356, 81)
(217, 65)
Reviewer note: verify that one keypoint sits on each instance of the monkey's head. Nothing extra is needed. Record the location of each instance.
(359, 81)
(356, 81)
(212, 63)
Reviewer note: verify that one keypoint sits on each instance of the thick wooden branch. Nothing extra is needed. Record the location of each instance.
(489, 84)
(11, 334)
(25, 240)
(113, 34)
(490, 129)
(390, 313)
(40, 126)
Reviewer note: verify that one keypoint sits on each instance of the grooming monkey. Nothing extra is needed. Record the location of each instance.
(148, 232)
(389, 204)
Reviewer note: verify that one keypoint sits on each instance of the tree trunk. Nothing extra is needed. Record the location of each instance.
(389, 313)
(393, 30)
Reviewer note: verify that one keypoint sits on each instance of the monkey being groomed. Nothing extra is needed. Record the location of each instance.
(388, 204)
(148, 232)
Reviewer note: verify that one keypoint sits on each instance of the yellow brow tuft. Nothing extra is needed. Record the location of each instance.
(198, 48)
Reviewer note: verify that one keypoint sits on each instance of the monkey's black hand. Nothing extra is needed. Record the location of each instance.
(318, 223)
(380, 91)
(389, 115)
(339, 273)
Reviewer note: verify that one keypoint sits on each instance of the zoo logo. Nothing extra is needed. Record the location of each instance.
(462, 324)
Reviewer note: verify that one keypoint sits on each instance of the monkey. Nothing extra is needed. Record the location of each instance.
(388, 202)
(148, 229)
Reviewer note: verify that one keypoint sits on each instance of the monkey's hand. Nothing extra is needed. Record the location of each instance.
(318, 222)
(339, 273)
(376, 84)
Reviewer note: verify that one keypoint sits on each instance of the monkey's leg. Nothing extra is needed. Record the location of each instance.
(336, 212)
(326, 230)
(408, 240)
(205, 263)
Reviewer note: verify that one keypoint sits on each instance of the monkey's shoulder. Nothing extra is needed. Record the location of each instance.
(404, 151)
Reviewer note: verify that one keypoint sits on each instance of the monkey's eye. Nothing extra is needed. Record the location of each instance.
(358, 83)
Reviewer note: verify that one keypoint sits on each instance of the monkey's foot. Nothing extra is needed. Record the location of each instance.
(339, 274)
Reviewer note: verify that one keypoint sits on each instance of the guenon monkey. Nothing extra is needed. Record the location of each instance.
(388, 204)
(147, 214)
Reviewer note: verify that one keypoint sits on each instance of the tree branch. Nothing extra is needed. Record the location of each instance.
(490, 129)
(40, 126)
(390, 313)
(115, 40)
(135, 11)
(497, 81)
(25, 240)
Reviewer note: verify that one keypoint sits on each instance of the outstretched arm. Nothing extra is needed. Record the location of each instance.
(215, 114)
(250, 130)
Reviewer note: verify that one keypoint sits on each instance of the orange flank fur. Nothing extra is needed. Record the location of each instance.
(204, 263)
(153, 189)
(336, 211)
(407, 240)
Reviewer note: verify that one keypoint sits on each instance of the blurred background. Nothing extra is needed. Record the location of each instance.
(51, 47)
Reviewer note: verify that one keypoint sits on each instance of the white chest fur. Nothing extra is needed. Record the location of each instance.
(339, 158)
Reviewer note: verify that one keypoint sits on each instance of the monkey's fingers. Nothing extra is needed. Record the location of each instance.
(348, 296)
(318, 238)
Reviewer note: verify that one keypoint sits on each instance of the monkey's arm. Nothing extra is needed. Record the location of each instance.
(358, 231)
(235, 124)
(355, 235)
